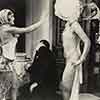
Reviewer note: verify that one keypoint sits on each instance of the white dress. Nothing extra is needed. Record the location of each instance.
(9, 49)
(7, 73)
(72, 53)
(69, 10)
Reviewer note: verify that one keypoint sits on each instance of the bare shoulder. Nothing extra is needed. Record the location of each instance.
(10, 29)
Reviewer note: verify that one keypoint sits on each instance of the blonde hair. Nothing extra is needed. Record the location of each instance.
(4, 16)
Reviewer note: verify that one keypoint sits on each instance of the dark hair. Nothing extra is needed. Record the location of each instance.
(46, 43)
(1, 51)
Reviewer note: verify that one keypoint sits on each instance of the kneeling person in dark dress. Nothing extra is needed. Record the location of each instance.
(42, 63)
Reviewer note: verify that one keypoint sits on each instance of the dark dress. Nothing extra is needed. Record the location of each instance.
(43, 68)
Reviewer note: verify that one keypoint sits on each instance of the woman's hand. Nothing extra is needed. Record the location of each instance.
(78, 62)
(44, 17)
(27, 66)
(17, 30)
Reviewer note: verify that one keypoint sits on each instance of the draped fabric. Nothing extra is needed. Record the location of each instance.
(8, 78)
(9, 49)
(72, 77)
(76, 83)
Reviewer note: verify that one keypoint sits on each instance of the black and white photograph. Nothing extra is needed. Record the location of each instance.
(49, 49)
(76, 30)
(27, 62)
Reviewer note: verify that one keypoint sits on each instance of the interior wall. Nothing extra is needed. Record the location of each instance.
(34, 10)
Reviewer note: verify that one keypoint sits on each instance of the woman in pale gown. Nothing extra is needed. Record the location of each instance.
(8, 40)
(69, 10)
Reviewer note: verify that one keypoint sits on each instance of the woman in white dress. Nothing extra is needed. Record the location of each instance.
(8, 40)
(69, 10)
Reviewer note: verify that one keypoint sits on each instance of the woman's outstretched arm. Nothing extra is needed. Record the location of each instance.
(27, 29)
(30, 28)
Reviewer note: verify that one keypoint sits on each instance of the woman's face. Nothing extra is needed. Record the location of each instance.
(11, 18)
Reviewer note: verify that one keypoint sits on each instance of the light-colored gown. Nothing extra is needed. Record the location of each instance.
(8, 79)
(69, 10)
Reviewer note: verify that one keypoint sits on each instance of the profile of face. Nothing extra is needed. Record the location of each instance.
(11, 18)
(7, 17)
